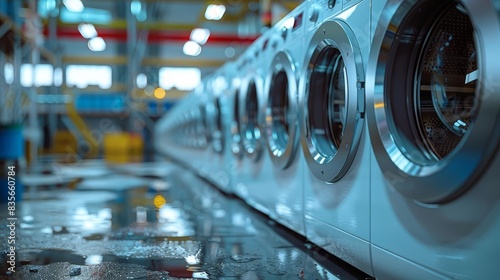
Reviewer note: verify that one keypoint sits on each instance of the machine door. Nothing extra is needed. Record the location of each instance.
(433, 95)
(282, 111)
(333, 104)
(218, 128)
(236, 145)
(203, 129)
(251, 119)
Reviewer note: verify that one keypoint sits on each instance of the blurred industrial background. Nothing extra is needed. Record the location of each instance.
(77, 75)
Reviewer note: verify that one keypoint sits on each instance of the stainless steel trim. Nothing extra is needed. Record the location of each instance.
(408, 170)
(332, 167)
(251, 126)
(282, 151)
(236, 140)
(218, 126)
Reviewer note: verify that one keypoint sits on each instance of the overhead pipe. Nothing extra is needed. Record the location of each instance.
(155, 36)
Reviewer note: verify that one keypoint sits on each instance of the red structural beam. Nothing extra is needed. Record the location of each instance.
(153, 36)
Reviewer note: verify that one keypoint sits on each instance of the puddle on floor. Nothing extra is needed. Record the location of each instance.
(186, 231)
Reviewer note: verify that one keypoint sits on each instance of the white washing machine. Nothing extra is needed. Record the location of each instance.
(179, 128)
(184, 133)
(247, 166)
(334, 138)
(280, 190)
(433, 108)
(216, 167)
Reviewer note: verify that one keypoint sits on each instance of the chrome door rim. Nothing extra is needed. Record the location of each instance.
(236, 145)
(218, 126)
(251, 147)
(282, 154)
(337, 35)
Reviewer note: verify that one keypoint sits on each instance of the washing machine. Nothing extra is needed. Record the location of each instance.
(248, 173)
(216, 167)
(334, 136)
(433, 109)
(183, 134)
(280, 188)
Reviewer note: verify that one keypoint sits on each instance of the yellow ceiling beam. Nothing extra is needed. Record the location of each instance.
(146, 25)
(181, 62)
(290, 5)
(95, 60)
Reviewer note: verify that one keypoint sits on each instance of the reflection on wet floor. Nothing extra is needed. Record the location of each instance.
(151, 222)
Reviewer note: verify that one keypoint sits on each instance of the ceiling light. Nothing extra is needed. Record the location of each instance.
(200, 35)
(141, 80)
(74, 5)
(135, 7)
(215, 12)
(159, 93)
(93, 15)
(87, 30)
(191, 48)
(8, 73)
(97, 44)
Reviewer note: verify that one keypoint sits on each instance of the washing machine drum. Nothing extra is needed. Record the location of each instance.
(433, 104)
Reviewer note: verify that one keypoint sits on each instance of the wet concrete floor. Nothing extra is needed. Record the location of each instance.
(150, 221)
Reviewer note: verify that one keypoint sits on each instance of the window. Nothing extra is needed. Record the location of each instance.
(83, 76)
(180, 78)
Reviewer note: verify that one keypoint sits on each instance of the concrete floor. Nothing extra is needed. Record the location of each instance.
(149, 221)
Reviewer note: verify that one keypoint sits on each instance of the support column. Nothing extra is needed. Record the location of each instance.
(132, 63)
(53, 47)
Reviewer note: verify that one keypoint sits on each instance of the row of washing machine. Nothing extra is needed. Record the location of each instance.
(371, 127)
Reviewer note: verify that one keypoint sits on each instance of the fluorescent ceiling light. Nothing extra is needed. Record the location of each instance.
(215, 12)
(191, 48)
(47, 7)
(89, 15)
(200, 35)
(87, 30)
(74, 5)
(141, 80)
(135, 7)
(8, 73)
(97, 44)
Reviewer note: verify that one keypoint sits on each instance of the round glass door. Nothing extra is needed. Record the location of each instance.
(281, 111)
(428, 111)
(250, 130)
(333, 101)
(236, 146)
(218, 132)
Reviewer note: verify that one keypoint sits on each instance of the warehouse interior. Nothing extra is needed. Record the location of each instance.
(249, 139)
(77, 63)
(83, 83)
